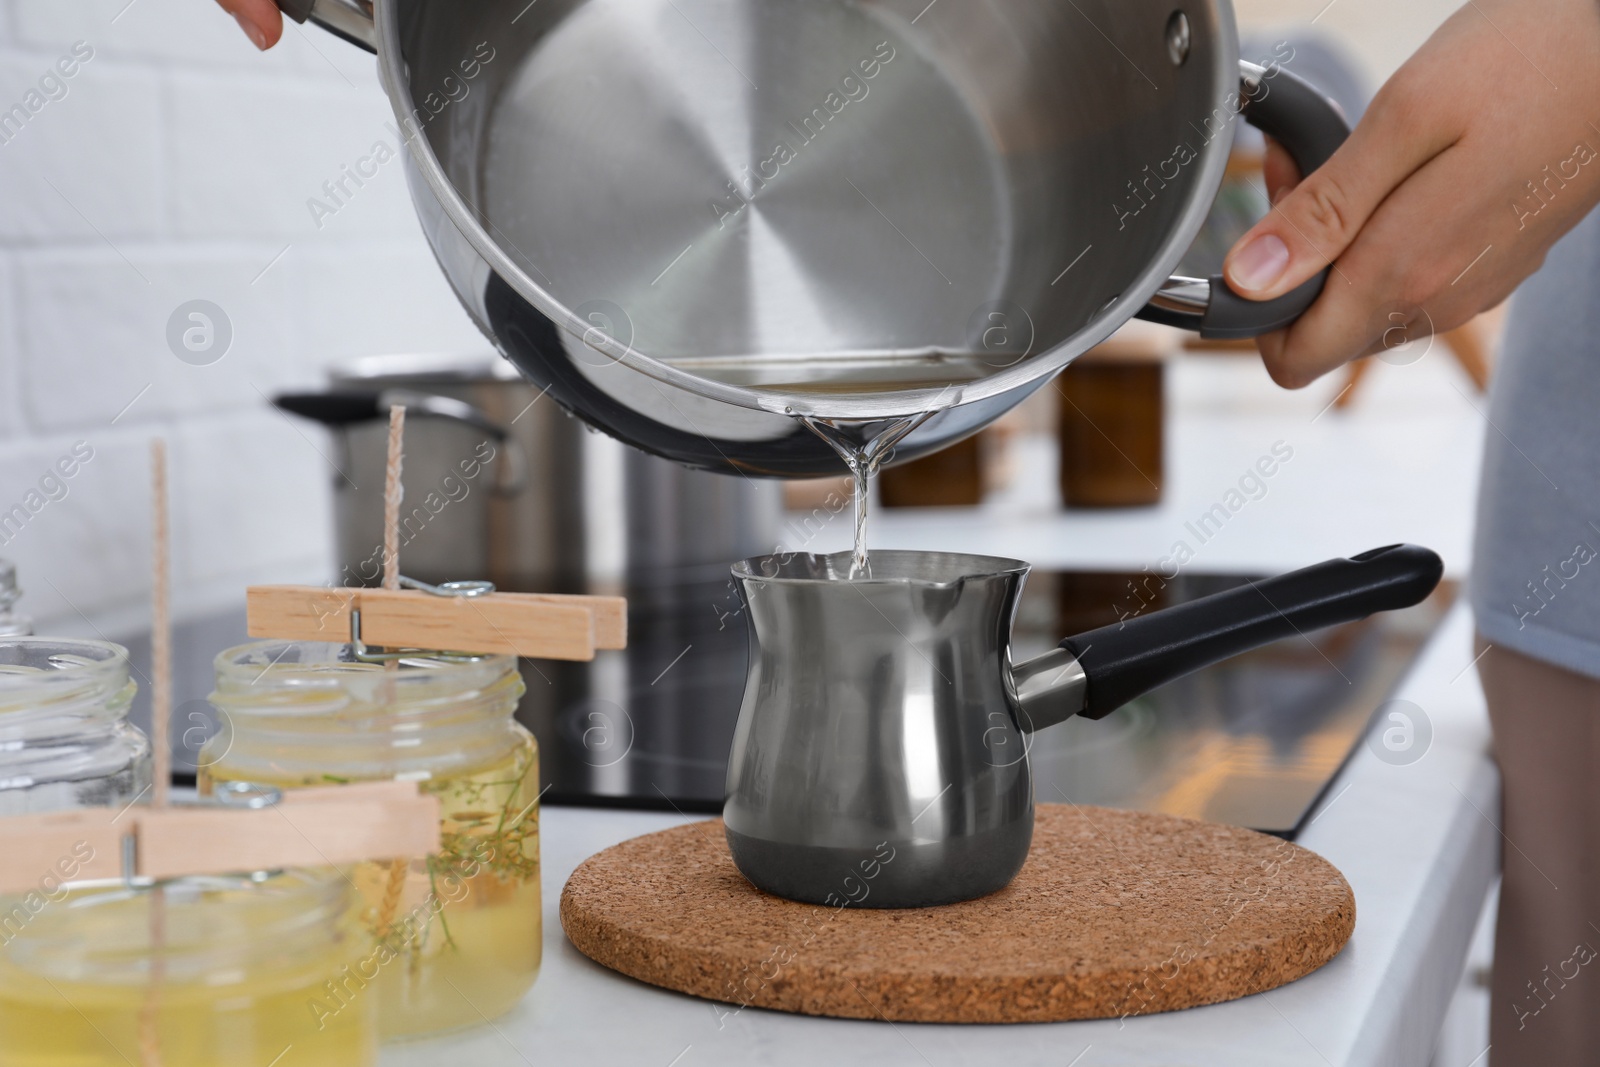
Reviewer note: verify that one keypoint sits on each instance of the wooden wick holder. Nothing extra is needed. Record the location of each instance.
(536, 625)
(317, 827)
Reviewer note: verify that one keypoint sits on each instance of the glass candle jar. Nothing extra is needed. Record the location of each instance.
(458, 933)
(11, 623)
(65, 739)
(202, 971)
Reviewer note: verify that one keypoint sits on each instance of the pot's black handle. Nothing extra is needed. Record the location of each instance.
(1128, 659)
(344, 408)
(349, 19)
(1310, 127)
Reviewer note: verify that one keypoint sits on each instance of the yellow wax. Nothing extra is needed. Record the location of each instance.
(455, 938)
(57, 1023)
(86, 997)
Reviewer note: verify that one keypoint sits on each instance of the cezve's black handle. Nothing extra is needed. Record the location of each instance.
(1128, 659)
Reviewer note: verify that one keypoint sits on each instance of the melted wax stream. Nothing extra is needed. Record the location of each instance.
(864, 446)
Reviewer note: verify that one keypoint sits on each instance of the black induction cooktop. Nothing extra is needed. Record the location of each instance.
(1253, 741)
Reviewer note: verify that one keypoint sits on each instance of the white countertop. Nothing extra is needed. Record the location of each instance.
(1415, 842)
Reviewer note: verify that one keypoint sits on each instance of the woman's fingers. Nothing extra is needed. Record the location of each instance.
(260, 20)
(1313, 225)
(1474, 159)
(1280, 172)
(1438, 251)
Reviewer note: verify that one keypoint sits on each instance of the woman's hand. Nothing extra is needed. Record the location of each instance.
(259, 19)
(1475, 158)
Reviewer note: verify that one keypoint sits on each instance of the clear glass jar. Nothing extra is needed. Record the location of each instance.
(463, 928)
(65, 739)
(11, 624)
(201, 972)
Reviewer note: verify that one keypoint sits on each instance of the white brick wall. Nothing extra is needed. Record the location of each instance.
(177, 167)
(88, 162)
(94, 334)
(10, 363)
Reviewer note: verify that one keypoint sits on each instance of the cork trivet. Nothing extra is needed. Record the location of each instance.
(1116, 913)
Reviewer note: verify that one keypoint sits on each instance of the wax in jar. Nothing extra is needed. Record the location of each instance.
(454, 938)
(198, 973)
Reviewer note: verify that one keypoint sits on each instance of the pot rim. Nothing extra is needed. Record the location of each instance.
(930, 570)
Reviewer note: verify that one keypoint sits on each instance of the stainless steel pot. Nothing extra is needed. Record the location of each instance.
(884, 725)
(692, 219)
(502, 484)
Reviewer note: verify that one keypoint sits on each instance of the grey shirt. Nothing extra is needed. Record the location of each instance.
(1536, 573)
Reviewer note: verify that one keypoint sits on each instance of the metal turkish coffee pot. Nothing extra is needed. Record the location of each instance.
(691, 220)
(883, 737)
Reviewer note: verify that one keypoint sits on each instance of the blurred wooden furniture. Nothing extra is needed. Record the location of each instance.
(1470, 343)
(959, 476)
(1112, 421)
(816, 494)
(950, 478)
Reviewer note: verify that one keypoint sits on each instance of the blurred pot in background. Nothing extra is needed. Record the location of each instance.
(502, 484)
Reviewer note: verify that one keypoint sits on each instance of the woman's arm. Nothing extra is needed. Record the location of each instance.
(1475, 158)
